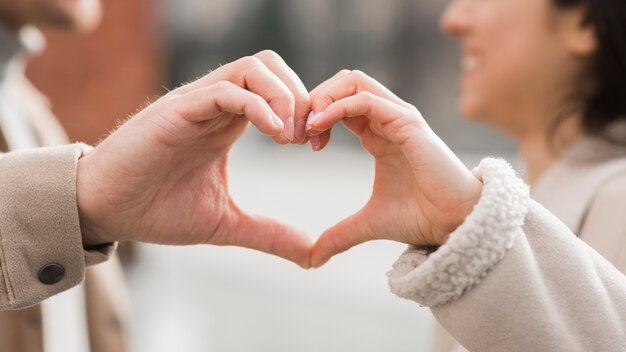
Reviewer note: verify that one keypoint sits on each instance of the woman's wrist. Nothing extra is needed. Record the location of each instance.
(469, 200)
(434, 278)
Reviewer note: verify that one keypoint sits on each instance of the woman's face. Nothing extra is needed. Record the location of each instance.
(516, 60)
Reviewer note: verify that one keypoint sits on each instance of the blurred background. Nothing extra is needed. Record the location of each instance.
(227, 299)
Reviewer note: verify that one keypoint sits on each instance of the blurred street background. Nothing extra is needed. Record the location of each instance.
(227, 299)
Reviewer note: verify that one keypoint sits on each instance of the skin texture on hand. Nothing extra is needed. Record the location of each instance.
(162, 176)
(422, 192)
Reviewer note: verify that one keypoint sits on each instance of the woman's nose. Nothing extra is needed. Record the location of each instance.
(455, 20)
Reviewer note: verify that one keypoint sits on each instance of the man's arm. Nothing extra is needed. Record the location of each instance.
(41, 249)
(161, 177)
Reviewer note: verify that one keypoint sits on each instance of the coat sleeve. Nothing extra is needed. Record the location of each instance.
(39, 225)
(604, 228)
(512, 277)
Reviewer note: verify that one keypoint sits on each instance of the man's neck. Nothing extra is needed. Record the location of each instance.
(16, 46)
(10, 44)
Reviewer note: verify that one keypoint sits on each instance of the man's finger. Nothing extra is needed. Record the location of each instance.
(260, 80)
(273, 237)
(224, 97)
(252, 74)
(279, 67)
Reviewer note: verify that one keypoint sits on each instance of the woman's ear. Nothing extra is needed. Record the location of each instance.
(578, 31)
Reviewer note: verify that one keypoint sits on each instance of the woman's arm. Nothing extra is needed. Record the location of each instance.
(549, 292)
(500, 272)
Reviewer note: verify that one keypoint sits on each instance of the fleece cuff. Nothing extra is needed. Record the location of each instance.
(473, 249)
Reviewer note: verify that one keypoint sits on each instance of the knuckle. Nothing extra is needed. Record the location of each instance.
(343, 72)
(359, 75)
(413, 119)
(366, 97)
(289, 97)
(174, 110)
(251, 62)
(222, 86)
(303, 99)
(269, 55)
(257, 100)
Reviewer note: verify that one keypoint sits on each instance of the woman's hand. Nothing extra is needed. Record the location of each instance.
(422, 192)
(162, 176)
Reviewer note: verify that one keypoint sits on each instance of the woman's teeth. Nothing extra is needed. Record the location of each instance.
(468, 63)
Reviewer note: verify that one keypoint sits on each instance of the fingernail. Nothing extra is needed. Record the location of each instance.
(277, 121)
(308, 121)
(312, 119)
(313, 132)
(289, 131)
(300, 133)
(316, 143)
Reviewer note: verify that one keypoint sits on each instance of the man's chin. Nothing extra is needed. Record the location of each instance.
(72, 19)
(69, 23)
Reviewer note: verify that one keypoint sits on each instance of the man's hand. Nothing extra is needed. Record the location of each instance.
(162, 176)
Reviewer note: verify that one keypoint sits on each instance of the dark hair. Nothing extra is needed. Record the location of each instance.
(607, 104)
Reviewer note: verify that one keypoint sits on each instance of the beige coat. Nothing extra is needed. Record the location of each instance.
(546, 290)
(39, 225)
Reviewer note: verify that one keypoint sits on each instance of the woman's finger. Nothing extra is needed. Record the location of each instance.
(396, 122)
(319, 141)
(322, 86)
(357, 124)
(344, 84)
(348, 83)
(341, 237)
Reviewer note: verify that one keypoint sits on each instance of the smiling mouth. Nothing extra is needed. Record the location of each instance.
(468, 63)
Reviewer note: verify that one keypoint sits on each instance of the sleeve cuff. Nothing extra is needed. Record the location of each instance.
(41, 248)
(435, 278)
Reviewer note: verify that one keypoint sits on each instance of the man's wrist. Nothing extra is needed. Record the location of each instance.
(91, 235)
